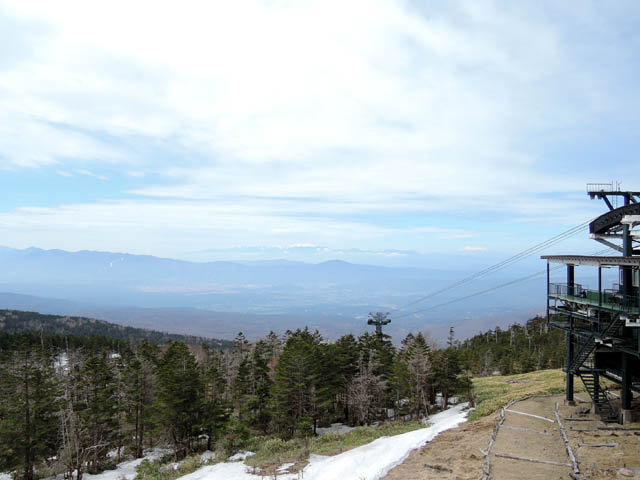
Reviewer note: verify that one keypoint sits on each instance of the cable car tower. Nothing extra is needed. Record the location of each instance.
(603, 324)
(379, 319)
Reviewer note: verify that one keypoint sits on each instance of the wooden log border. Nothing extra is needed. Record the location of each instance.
(486, 471)
(519, 429)
(534, 460)
(574, 462)
(530, 415)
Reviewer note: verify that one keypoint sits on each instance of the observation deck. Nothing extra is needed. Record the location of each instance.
(603, 324)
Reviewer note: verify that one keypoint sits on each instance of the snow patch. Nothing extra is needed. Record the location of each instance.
(127, 470)
(368, 462)
(340, 428)
(207, 456)
(284, 468)
(241, 456)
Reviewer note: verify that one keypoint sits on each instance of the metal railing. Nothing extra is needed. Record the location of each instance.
(612, 299)
(603, 187)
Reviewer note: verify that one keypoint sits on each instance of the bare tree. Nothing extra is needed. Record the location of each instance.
(366, 391)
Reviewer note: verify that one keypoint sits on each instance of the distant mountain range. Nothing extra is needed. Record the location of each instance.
(218, 299)
(280, 286)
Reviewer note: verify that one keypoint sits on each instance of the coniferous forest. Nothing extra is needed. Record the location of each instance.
(517, 349)
(67, 401)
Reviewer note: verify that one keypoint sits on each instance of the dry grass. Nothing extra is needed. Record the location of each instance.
(273, 452)
(491, 393)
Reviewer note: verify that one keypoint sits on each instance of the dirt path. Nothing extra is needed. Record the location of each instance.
(452, 455)
(455, 454)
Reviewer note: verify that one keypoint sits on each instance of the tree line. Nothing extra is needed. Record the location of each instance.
(516, 349)
(20, 321)
(67, 402)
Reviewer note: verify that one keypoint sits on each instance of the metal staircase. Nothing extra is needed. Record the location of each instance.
(587, 347)
(591, 381)
(582, 366)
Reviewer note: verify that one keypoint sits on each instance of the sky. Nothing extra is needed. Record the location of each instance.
(206, 130)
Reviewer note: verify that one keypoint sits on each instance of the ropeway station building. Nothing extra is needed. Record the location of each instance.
(603, 324)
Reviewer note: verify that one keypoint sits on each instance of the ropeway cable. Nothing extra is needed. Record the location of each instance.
(505, 263)
(488, 290)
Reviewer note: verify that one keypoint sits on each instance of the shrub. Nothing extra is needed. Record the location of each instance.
(236, 437)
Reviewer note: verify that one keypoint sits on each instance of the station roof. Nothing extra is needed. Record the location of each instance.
(595, 261)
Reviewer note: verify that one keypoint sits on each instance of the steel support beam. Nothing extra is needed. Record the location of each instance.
(599, 299)
(548, 291)
(570, 279)
(626, 396)
(570, 344)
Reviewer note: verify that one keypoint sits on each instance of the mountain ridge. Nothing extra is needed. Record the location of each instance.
(15, 321)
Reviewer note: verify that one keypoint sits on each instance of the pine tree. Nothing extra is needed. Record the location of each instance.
(180, 392)
(341, 361)
(75, 435)
(297, 389)
(260, 389)
(216, 409)
(28, 396)
(140, 379)
(97, 408)
(421, 375)
(446, 365)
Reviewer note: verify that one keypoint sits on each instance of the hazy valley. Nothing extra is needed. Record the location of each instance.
(219, 299)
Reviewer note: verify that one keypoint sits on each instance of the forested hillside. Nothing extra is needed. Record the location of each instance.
(518, 349)
(19, 321)
(75, 401)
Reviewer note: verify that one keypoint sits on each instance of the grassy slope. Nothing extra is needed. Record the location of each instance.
(493, 392)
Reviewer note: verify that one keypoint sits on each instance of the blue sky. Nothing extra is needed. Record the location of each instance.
(197, 129)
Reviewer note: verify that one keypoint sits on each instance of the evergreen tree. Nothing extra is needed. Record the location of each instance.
(180, 392)
(342, 360)
(242, 388)
(97, 408)
(261, 383)
(140, 379)
(384, 351)
(414, 375)
(446, 366)
(76, 438)
(28, 396)
(216, 409)
(297, 388)
(518, 349)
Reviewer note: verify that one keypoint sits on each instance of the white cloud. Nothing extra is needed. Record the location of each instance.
(470, 248)
(287, 118)
(88, 173)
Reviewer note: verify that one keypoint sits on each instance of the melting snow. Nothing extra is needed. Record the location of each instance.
(241, 456)
(208, 455)
(340, 428)
(126, 470)
(368, 462)
(284, 468)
